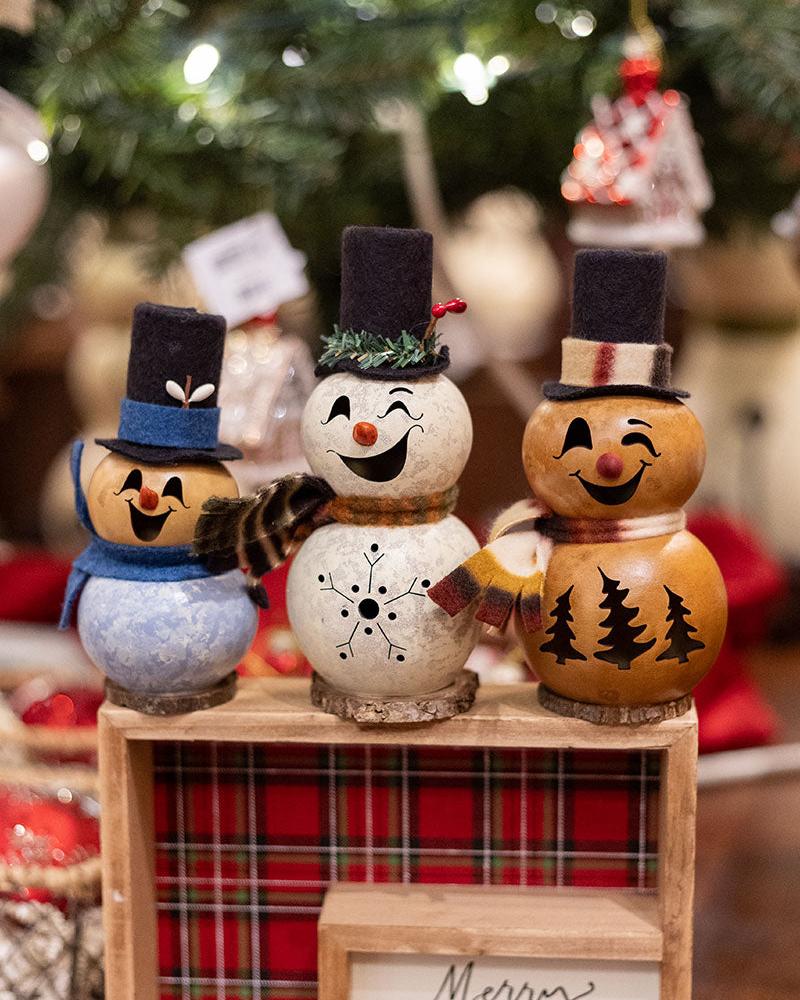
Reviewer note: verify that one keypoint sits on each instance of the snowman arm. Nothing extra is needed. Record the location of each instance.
(259, 532)
(499, 580)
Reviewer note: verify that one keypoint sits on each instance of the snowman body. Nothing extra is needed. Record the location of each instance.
(357, 601)
(636, 617)
(164, 637)
(628, 623)
(357, 593)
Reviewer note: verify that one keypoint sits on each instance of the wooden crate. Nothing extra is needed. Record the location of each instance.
(278, 711)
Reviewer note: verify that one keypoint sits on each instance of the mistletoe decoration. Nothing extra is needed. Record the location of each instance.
(371, 350)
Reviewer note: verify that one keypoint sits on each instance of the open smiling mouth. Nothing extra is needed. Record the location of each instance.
(147, 527)
(381, 468)
(612, 496)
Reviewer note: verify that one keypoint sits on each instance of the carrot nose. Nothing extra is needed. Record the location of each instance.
(364, 433)
(148, 498)
(609, 465)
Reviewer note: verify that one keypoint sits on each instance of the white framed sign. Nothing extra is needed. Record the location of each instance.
(443, 977)
(247, 269)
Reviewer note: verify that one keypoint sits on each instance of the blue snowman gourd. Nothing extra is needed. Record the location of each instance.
(165, 629)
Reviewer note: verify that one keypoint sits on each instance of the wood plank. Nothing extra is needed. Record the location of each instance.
(278, 710)
(501, 921)
(129, 904)
(676, 838)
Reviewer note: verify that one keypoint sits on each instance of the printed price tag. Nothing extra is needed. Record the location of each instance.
(247, 268)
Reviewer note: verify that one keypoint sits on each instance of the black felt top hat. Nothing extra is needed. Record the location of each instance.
(616, 346)
(385, 307)
(170, 412)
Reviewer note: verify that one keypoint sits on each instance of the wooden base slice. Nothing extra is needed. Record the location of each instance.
(613, 715)
(443, 704)
(174, 703)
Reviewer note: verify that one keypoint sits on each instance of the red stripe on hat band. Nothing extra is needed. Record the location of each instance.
(604, 364)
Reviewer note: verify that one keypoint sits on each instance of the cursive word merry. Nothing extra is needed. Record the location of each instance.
(458, 986)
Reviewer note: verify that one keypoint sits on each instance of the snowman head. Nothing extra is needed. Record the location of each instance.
(135, 503)
(387, 437)
(613, 456)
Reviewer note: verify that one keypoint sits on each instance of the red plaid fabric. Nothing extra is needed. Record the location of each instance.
(249, 837)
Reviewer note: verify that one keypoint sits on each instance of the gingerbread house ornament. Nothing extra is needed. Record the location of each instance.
(386, 435)
(620, 610)
(637, 177)
(166, 630)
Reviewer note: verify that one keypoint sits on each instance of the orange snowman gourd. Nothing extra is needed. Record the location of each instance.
(619, 609)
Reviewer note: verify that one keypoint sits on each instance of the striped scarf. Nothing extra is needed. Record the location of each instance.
(508, 573)
(260, 532)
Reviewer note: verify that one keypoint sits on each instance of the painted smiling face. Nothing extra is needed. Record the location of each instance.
(613, 456)
(385, 438)
(136, 504)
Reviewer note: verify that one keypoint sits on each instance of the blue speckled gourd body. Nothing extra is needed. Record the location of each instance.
(161, 637)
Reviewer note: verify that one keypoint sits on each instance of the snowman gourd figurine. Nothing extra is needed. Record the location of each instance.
(387, 436)
(619, 609)
(166, 631)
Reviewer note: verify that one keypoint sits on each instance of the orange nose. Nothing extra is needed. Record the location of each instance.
(609, 465)
(148, 498)
(364, 433)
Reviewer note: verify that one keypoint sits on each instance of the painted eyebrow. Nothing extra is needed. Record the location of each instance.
(400, 388)
(639, 423)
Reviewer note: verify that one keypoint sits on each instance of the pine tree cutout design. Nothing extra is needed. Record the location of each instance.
(561, 644)
(622, 637)
(679, 636)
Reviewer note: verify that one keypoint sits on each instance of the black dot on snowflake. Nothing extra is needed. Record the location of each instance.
(374, 547)
(321, 578)
(367, 630)
(354, 588)
(345, 612)
(426, 583)
(342, 656)
(381, 590)
(368, 608)
(400, 658)
(391, 616)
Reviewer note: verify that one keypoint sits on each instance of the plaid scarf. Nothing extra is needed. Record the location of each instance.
(260, 532)
(508, 573)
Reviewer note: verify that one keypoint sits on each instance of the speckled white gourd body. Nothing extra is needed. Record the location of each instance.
(357, 601)
(161, 637)
(357, 595)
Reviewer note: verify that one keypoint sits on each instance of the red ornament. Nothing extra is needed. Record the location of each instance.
(439, 310)
(456, 306)
(65, 709)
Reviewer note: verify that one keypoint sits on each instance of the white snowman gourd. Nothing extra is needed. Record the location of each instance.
(387, 445)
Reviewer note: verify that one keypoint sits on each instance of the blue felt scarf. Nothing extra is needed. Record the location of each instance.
(121, 562)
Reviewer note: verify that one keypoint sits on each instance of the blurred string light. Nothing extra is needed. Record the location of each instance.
(200, 63)
(294, 57)
(474, 78)
(38, 151)
(571, 23)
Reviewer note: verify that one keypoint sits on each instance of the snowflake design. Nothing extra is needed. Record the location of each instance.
(375, 613)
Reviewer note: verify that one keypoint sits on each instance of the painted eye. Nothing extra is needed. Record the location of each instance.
(174, 488)
(578, 436)
(340, 408)
(398, 404)
(133, 481)
(637, 437)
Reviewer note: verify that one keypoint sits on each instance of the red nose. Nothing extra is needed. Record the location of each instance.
(609, 465)
(148, 498)
(364, 433)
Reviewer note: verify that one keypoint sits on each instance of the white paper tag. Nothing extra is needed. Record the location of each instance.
(247, 268)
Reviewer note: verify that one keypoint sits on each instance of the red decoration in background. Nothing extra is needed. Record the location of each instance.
(640, 77)
(65, 709)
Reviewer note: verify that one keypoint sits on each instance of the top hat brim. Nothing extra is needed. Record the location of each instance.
(156, 455)
(560, 391)
(385, 373)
